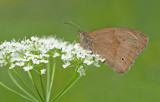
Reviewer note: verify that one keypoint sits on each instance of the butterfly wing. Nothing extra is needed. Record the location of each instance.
(142, 40)
(119, 46)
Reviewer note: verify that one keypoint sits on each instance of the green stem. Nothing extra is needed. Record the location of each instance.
(23, 82)
(34, 84)
(20, 87)
(44, 95)
(71, 83)
(52, 79)
(36, 71)
(48, 79)
(16, 92)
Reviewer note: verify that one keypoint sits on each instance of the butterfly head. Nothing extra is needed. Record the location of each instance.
(84, 39)
(85, 42)
(82, 34)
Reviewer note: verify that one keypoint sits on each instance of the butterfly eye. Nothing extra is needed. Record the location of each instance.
(122, 58)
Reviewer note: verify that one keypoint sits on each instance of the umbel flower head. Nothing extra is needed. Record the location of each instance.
(29, 54)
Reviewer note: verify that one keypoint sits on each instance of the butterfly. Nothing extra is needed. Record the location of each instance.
(118, 46)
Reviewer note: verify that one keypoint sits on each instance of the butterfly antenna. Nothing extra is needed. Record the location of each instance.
(72, 24)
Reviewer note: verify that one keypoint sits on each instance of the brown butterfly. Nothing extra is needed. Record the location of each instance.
(118, 46)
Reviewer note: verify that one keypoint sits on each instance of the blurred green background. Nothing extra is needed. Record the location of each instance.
(20, 18)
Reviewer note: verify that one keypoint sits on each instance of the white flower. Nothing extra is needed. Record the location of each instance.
(2, 61)
(97, 65)
(55, 55)
(12, 49)
(34, 38)
(43, 50)
(67, 56)
(36, 51)
(81, 55)
(44, 61)
(66, 64)
(68, 48)
(19, 64)
(35, 61)
(45, 55)
(88, 62)
(12, 66)
(27, 68)
(81, 71)
(43, 71)
(102, 59)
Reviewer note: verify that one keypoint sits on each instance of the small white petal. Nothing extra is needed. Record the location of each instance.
(44, 61)
(19, 64)
(43, 71)
(88, 62)
(35, 61)
(27, 68)
(97, 65)
(66, 65)
(34, 38)
(55, 55)
(12, 66)
(81, 71)
(102, 59)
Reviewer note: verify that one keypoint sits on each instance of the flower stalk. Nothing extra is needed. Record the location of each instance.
(43, 91)
(34, 84)
(23, 82)
(48, 81)
(68, 85)
(20, 87)
(52, 79)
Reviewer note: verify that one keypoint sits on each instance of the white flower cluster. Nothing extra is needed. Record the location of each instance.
(34, 52)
